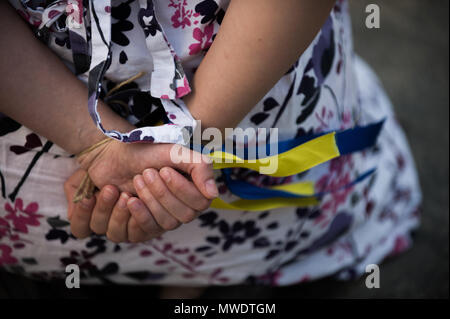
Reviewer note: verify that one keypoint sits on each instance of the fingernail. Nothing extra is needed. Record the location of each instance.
(108, 194)
(135, 204)
(165, 175)
(122, 204)
(148, 176)
(86, 203)
(140, 184)
(211, 188)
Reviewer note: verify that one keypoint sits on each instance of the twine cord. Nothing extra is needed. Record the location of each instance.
(86, 188)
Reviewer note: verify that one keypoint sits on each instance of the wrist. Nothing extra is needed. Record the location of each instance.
(91, 135)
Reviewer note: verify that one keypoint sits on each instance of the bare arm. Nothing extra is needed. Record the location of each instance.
(257, 43)
(38, 91)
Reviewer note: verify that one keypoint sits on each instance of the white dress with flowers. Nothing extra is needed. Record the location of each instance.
(329, 88)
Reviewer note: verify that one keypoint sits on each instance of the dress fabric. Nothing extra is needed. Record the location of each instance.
(328, 88)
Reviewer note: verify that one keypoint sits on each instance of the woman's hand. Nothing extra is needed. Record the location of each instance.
(166, 200)
(107, 214)
(118, 163)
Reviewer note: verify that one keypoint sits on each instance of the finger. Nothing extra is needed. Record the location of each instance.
(118, 223)
(198, 166)
(81, 217)
(70, 187)
(184, 190)
(161, 215)
(203, 177)
(145, 220)
(137, 235)
(164, 196)
(103, 209)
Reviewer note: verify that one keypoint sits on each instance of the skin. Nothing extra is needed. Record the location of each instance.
(238, 78)
(60, 106)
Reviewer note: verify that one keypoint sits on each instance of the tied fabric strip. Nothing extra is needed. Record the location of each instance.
(301, 157)
(294, 161)
(254, 198)
(296, 194)
(168, 80)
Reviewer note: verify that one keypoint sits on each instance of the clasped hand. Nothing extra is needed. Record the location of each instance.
(142, 193)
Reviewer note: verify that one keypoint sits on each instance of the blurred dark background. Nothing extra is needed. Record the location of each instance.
(410, 54)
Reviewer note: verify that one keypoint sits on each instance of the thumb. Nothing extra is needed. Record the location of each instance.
(198, 166)
(203, 178)
(202, 174)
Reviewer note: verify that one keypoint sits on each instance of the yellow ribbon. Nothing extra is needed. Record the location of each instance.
(291, 162)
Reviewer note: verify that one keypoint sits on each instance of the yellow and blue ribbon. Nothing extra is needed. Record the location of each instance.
(294, 156)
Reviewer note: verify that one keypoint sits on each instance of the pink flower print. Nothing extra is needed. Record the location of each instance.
(204, 39)
(181, 17)
(4, 228)
(346, 120)
(74, 11)
(31, 19)
(22, 218)
(183, 90)
(54, 13)
(5, 256)
(339, 193)
(324, 118)
(271, 278)
(401, 244)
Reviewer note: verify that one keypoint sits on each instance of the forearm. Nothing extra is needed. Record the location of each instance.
(257, 43)
(39, 91)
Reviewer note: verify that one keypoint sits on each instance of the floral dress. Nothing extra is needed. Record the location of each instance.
(106, 42)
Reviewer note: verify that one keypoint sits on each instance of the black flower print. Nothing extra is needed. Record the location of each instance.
(228, 234)
(210, 11)
(58, 230)
(121, 13)
(32, 141)
(123, 57)
(7, 125)
(269, 104)
(63, 41)
(147, 20)
(321, 63)
(87, 268)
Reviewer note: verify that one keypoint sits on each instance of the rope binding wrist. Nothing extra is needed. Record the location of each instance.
(86, 188)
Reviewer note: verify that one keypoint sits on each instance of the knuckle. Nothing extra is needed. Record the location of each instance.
(113, 225)
(176, 183)
(188, 216)
(132, 231)
(146, 196)
(158, 191)
(112, 237)
(169, 224)
(78, 234)
(133, 239)
(97, 229)
(117, 220)
(204, 204)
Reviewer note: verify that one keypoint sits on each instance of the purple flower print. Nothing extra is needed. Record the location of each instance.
(5, 256)
(22, 218)
(204, 39)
